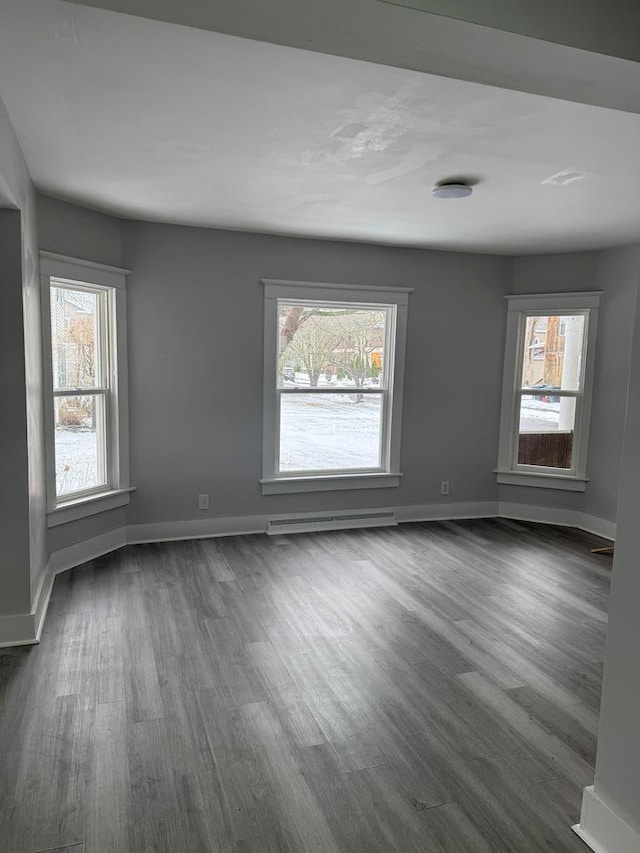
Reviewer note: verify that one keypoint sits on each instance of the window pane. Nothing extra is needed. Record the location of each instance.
(74, 338)
(324, 432)
(79, 443)
(546, 430)
(552, 356)
(330, 346)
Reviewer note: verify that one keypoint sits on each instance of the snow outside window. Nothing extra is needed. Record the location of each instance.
(334, 357)
(547, 390)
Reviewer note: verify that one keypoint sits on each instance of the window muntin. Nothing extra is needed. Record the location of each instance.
(333, 386)
(82, 373)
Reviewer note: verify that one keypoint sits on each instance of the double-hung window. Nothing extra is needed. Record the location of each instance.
(333, 376)
(546, 399)
(86, 399)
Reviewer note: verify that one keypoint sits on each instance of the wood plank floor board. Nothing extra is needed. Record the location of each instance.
(561, 758)
(215, 562)
(46, 802)
(293, 797)
(110, 685)
(142, 689)
(247, 794)
(430, 687)
(108, 812)
(275, 842)
(394, 821)
(321, 769)
(557, 721)
(241, 610)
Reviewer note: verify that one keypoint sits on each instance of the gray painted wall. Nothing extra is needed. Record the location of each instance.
(14, 486)
(197, 428)
(617, 273)
(24, 423)
(195, 366)
(611, 27)
(80, 233)
(618, 756)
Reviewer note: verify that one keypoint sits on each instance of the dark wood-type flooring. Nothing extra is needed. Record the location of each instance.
(430, 687)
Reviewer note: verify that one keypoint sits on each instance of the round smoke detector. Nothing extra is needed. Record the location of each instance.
(451, 191)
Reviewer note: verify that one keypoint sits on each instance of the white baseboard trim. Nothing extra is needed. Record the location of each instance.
(447, 511)
(602, 829)
(17, 629)
(247, 524)
(24, 629)
(82, 552)
(169, 531)
(21, 629)
(41, 604)
(561, 517)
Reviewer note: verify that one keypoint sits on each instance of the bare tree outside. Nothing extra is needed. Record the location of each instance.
(311, 347)
(361, 333)
(345, 343)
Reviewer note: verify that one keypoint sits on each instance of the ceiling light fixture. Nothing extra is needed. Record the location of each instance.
(452, 190)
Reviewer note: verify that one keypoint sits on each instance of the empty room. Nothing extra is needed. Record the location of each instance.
(320, 429)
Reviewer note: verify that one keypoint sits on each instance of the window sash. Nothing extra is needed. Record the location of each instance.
(547, 392)
(79, 392)
(383, 308)
(544, 469)
(383, 389)
(104, 460)
(103, 353)
(385, 425)
(333, 389)
(106, 375)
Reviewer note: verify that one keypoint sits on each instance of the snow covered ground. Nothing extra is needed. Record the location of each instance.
(332, 431)
(536, 416)
(76, 460)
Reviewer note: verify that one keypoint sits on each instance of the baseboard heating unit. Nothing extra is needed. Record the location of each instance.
(334, 521)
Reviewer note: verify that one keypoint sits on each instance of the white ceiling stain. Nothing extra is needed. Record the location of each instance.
(155, 121)
(564, 178)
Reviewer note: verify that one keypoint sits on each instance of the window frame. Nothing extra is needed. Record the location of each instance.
(521, 306)
(395, 301)
(109, 283)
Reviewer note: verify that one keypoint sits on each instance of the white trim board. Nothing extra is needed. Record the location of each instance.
(90, 549)
(602, 829)
(239, 525)
(25, 628)
(560, 517)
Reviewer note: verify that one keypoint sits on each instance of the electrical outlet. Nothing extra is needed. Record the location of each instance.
(203, 501)
(444, 487)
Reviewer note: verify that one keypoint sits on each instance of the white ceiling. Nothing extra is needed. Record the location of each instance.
(157, 121)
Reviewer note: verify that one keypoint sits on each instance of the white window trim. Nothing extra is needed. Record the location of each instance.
(273, 483)
(520, 306)
(99, 500)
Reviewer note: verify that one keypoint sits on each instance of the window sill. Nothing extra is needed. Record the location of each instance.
(542, 481)
(330, 483)
(92, 505)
